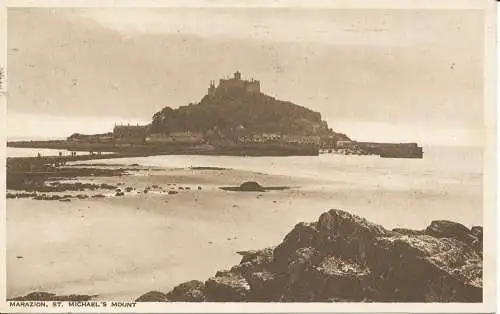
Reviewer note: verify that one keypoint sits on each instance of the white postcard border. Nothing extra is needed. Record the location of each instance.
(490, 177)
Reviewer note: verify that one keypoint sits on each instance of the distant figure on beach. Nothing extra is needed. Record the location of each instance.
(60, 154)
(39, 155)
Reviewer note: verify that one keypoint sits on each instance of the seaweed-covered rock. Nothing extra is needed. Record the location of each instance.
(343, 257)
(266, 286)
(477, 231)
(340, 279)
(408, 232)
(302, 235)
(450, 229)
(153, 296)
(227, 288)
(264, 256)
(425, 269)
(191, 291)
(47, 296)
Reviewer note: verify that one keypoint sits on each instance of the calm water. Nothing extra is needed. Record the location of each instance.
(448, 179)
(454, 164)
(462, 166)
(68, 252)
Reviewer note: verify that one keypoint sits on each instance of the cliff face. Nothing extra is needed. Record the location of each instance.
(241, 112)
(342, 257)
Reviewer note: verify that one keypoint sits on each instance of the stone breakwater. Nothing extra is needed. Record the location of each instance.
(345, 258)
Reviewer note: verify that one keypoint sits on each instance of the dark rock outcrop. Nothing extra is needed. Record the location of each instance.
(252, 186)
(409, 232)
(153, 296)
(249, 186)
(227, 287)
(477, 231)
(345, 258)
(450, 229)
(46, 296)
(191, 291)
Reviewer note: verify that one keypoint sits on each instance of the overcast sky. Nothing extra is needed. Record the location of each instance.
(375, 74)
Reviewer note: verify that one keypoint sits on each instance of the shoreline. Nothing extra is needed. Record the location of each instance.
(311, 266)
(95, 232)
(383, 150)
(266, 149)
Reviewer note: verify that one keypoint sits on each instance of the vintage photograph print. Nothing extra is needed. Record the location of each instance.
(215, 155)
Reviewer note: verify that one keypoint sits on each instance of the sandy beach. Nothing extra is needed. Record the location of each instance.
(119, 247)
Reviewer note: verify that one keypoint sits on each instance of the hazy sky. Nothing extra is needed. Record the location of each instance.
(375, 74)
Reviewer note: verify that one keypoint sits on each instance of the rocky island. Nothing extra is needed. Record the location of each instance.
(233, 118)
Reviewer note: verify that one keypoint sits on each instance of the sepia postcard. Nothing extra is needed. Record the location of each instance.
(248, 156)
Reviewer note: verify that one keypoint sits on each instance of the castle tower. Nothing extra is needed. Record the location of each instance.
(211, 88)
(237, 75)
(253, 86)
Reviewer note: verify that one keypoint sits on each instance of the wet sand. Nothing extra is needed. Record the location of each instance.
(122, 247)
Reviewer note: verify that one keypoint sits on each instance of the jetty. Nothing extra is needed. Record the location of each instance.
(393, 150)
(383, 150)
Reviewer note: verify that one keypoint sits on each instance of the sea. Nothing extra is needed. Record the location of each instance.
(75, 249)
(454, 164)
(448, 179)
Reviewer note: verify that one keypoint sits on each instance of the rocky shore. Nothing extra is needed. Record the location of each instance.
(25, 184)
(345, 258)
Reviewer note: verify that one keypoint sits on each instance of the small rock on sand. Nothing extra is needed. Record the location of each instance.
(251, 186)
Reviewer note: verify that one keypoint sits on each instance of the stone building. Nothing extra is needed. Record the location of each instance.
(294, 139)
(234, 85)
(130, 133)
(94, 138)
(187, 137)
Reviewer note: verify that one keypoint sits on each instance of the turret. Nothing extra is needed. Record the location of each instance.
(211, 88)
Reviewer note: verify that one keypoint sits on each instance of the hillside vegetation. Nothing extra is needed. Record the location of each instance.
(252, 113)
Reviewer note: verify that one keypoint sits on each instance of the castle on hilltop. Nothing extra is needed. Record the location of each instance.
(234, 85)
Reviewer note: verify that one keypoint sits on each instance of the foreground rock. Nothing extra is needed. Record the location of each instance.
(46, 296)
(345, 258)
